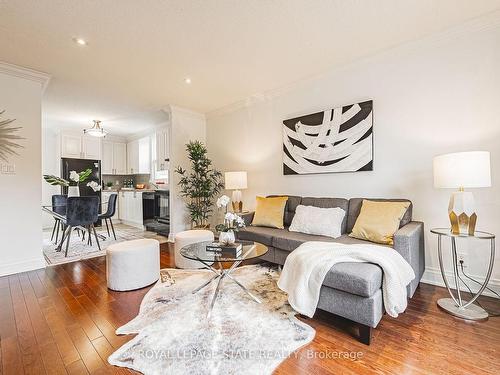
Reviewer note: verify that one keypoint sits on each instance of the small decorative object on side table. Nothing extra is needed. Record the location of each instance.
(455, 305)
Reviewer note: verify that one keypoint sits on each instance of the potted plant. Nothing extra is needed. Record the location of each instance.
(232, 223)
(74, 180)
(109, 185)
(199, 186)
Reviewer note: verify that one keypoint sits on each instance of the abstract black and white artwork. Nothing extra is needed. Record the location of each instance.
(336, 140)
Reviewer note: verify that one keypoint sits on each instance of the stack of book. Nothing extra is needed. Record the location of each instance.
(232, 251)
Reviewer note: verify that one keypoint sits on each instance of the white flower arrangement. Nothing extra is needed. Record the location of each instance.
(94, 185)
(223, 201)
(231, 222)
(74, 176)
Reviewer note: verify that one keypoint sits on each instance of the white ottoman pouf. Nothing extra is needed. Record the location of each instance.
(187, 238)
(132, 264)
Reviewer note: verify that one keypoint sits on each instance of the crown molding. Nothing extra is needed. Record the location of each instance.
(172, 109)
(26, 73)
(480, 24)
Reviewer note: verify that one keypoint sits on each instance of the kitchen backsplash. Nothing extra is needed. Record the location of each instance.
(117, 180)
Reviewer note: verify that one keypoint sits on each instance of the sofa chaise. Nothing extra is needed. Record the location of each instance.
(350, 290)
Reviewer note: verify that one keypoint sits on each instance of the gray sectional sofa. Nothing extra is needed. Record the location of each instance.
(350, 290)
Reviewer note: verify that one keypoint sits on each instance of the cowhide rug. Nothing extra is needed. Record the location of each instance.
(174, 335)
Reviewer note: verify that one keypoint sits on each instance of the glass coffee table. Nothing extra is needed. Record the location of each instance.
(198, 251)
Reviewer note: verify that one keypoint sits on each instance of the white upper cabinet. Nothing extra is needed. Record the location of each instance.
(139, 156)
(145, 155)
(114, 157)
(107, 166)
(91, 147)
(71, 146)
(133, 157)
(80, 146)
(162, 150)
(120, 158)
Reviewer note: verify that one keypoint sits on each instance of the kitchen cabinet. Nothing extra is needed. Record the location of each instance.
(71, 146)
(91, 147)
(105, 198)
(133, 157)
(139, 156)
(80, 146)
(162, 150)
(120, 158)
(114, 158)
(130, 208)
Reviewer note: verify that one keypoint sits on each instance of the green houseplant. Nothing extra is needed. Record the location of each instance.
(201, 185)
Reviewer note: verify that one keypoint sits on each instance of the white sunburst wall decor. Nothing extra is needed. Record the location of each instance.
(336, 140)
(8, 138)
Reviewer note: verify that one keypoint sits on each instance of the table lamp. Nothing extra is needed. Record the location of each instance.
(236, 181)
(462, 170)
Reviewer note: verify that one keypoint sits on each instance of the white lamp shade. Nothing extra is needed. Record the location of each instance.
(462, 170)
(235, 180)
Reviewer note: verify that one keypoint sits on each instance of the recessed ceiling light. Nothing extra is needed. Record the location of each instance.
(80, 41)
(187, 80)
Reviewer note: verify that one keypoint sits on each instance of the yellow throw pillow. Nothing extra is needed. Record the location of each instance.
(269, 212)
(378, 221)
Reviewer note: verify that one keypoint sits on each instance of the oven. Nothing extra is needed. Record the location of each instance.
(162, 206)
(156, 211)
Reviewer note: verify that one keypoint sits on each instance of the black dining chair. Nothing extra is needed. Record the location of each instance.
(81, 212)
(110, 212)
(59, 207)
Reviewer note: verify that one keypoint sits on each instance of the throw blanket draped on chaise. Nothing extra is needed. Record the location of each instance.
(306, 267)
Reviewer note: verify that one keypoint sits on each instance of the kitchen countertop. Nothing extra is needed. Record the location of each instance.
(133, 190)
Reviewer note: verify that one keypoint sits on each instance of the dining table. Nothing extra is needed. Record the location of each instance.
(55, 211)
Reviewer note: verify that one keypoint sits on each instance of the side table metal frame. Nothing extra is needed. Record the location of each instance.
(456, 305)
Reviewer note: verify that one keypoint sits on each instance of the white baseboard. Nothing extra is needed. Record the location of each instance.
(433, 276)
(17, 267)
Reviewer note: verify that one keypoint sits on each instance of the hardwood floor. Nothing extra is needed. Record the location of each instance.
(62, 319)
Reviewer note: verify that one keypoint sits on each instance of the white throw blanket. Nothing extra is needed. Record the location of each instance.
(306, 267)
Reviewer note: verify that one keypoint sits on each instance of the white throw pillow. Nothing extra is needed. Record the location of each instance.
(320, 221)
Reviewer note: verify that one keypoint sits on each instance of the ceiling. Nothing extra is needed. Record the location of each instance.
(140, 52)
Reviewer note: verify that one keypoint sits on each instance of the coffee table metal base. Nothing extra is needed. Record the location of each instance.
(221, 275)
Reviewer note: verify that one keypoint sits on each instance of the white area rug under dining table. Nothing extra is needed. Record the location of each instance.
(79, 249)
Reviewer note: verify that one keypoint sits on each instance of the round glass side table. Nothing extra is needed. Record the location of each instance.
(456, 305)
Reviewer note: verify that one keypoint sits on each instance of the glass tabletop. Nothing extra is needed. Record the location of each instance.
(198, 251)
(477, 234)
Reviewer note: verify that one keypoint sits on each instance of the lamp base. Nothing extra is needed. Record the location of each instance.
(237, 206)
(461, 211)
(471, 312)
(237, 203)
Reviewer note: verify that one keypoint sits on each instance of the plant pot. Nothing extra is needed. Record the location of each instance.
(227, 238)
(73, 191)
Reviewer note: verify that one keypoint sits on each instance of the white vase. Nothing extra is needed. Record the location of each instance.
(227, 238)
(73, 191)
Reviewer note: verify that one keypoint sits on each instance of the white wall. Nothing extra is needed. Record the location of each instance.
(185, 126)
(50, 165)
(20, 212)
(430, 97)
